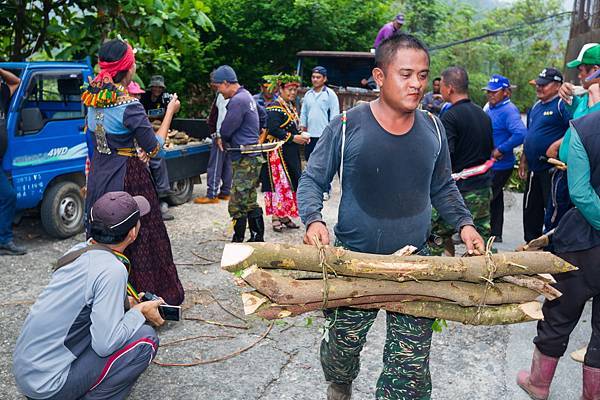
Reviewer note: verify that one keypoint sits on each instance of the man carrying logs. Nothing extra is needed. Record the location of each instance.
(394, 164)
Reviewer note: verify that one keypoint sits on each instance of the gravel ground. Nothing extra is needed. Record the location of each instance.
(466, 362)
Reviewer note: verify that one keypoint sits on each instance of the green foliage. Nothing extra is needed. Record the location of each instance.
(515, 184)
(519, 55)
(308, 322)
(185, 39)
(260, 38)
(439, 325)
(238, 273)
(281, 79)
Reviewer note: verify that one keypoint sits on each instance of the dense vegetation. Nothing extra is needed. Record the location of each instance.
(185, 39)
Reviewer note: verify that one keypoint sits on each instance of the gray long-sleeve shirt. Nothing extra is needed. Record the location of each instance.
(389, 182)
(81, 306)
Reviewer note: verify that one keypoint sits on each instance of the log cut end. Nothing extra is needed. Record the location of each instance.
(249, 271)
(532, 309)
(252, 301)
(234, 254)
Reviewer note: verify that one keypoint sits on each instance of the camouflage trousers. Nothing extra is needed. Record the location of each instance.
(246, 173)
(478, 203)
(405, 374)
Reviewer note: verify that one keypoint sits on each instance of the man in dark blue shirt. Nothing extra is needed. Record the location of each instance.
(241, 127)
(547, 122)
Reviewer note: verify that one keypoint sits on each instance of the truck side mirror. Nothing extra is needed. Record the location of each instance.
(32, 120)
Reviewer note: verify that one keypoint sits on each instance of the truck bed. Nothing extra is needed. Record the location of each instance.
(184, 161)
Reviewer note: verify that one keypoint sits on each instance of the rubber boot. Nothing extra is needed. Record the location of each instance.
(239, 230)
(591, 383)
(537, 381)
(256, 224)
(339, 391)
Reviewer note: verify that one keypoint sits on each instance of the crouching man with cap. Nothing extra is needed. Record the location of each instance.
(84, 337)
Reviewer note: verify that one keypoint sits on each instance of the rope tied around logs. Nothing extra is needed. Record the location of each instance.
(489, 279)
(325, 268)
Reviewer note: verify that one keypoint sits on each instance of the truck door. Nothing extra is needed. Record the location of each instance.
(49, 141)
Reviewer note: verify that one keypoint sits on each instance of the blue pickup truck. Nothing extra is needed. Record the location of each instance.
(46, 152)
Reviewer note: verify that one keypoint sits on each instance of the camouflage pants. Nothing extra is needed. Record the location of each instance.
(246, 172)
(405, 374)
(478, 203)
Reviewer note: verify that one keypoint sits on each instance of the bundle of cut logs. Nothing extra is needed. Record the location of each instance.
(287, 280)
(174, 136)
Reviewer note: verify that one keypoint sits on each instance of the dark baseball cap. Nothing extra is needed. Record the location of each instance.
(224, 74)
(549, 75)
(320, 70)
(118, 212)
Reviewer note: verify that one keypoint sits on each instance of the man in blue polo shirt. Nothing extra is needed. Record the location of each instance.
(508, 131)
(319, 105)
(547, 122)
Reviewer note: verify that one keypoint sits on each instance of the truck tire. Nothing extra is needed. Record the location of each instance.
(183, 189)
(62, 210)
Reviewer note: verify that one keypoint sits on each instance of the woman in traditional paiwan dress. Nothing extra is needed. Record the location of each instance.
(282, 172)
(118, 126)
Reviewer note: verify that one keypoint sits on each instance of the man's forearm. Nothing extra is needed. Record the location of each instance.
(9, 77)
(310, 199)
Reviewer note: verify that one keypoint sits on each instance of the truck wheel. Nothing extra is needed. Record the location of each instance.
(183, 189)
(62, 210)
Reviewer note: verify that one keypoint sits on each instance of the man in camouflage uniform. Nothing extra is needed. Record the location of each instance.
(470, 142)
(394, 164)
(240, 127)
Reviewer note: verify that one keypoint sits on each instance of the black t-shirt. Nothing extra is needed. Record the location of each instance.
(470, 141)
(4, 103)
(154, 108)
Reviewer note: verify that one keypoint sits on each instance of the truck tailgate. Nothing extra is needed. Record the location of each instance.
(186, 161)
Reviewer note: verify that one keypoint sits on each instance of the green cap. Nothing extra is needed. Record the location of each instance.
(589, 54)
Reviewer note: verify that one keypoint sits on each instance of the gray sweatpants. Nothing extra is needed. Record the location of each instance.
(219, 169)
(160, 174)
(102, 378)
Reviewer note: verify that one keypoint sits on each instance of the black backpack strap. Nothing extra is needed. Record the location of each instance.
(74, 255)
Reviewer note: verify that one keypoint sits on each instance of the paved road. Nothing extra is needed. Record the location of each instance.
(466, 362)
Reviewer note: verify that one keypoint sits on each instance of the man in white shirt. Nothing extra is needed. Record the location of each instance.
(219, 173)
(319, 105)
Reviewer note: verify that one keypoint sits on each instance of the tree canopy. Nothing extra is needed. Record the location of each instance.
(185, 39)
